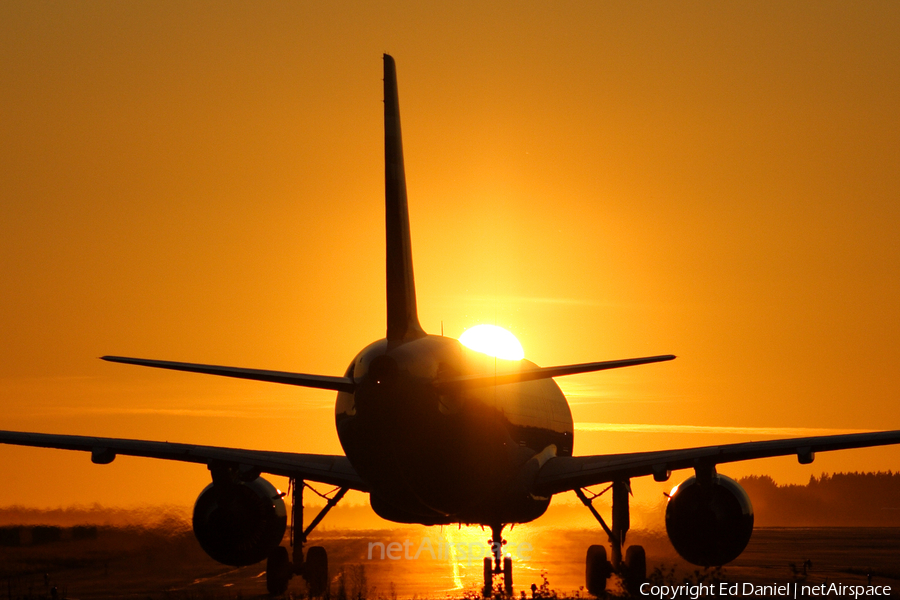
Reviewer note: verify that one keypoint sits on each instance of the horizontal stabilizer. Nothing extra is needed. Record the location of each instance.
(324, 382)
(469, 381)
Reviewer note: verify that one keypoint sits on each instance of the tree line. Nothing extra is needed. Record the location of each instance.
(837, 500)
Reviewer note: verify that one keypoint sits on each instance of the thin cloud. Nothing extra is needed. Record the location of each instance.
(654, 428)
(177, 412)
(581, 393)
(264, 412)
(507, 300)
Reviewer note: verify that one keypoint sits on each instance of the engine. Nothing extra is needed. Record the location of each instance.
(239, 523)
(709, 525)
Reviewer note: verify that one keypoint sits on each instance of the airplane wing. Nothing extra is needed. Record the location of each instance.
(322, 382)
(564, 473)
(322, 468)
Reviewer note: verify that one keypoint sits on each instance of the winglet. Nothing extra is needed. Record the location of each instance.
(402, 317)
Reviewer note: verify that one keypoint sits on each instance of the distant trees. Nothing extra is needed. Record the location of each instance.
(838, 500)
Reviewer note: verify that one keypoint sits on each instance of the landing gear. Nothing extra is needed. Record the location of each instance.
(316, 571)
(497, 564)
(596, 570)
(280, 570)
(507, 576)
(633, 569)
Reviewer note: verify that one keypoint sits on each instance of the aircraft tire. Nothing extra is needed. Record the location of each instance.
(316, 571)
(487, 590)
(507, 576)
(597, 570)
(635, 569)
(278, 571)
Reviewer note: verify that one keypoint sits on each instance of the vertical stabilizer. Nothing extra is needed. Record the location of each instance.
(402, 318)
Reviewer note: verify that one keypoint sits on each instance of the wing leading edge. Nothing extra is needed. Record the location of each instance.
(562, 474)
(323, 468)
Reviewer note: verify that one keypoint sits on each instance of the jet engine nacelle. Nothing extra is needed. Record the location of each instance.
(709, 524)
(238, 524)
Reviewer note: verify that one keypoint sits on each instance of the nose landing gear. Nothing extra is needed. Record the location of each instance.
(497, 564)
(633, 569)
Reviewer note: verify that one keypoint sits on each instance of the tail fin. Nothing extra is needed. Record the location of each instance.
(402, 317)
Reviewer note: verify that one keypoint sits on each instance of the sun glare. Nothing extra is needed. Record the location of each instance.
(493, 341)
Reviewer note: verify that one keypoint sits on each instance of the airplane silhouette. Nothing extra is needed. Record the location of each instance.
(436, 434)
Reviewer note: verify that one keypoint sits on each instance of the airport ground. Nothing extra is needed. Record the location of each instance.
(424, 563)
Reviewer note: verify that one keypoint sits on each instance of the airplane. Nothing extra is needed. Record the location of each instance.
(437, 434)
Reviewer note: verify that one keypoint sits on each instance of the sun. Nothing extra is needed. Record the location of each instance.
(493, 341)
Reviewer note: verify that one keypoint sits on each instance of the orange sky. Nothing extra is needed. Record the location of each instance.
(204, 182)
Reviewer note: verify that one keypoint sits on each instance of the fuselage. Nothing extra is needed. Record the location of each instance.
(438, 455)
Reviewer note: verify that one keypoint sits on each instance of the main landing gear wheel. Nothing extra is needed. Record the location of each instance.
(507, 576)
(597, 570)
(278, 571)
(316, 571)
(635, 571)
